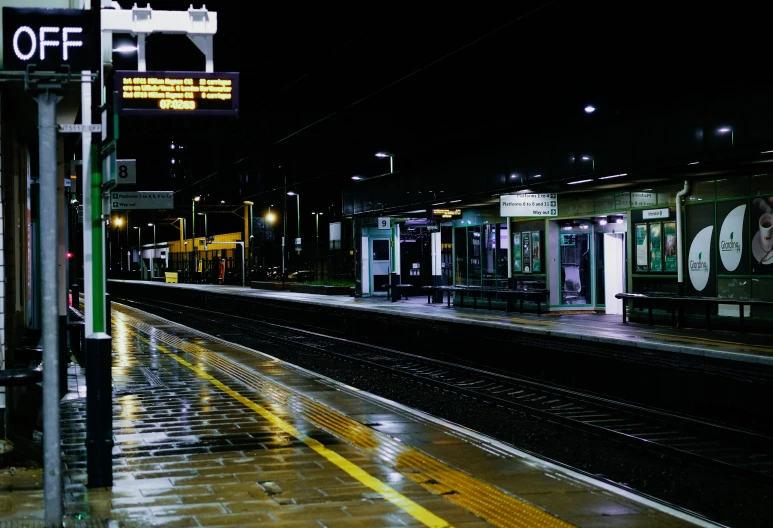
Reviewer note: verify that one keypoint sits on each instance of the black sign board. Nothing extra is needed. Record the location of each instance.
(48, 38)
(177, 93)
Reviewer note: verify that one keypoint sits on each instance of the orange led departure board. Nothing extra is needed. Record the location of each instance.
(175, 93)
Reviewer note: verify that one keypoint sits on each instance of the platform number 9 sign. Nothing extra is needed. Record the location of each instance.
(384, 223)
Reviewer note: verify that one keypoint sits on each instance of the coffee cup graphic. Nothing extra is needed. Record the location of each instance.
(766, 232)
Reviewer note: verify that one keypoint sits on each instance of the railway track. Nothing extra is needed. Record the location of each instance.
(731, 450)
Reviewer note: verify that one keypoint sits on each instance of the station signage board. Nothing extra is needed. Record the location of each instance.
(133, 201)
(48, 38)
(528, 205)
(192, 93)
(447, 214)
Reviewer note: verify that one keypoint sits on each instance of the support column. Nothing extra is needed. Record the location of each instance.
(99, 412)
(395, 275)
(510, 249)
(52, 461)
(437, 265)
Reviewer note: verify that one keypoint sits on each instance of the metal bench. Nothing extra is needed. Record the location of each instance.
(677, 301)
(537, 296)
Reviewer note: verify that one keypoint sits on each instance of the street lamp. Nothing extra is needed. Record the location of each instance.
(297, 206)
(118, 223)
(248, 232)
(139, 243)
(205, 226)
(153, 257)
(316, 250)
(391, 159)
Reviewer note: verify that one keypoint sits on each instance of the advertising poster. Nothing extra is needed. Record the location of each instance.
(536, 251)
(641, 247)
(517, 252)
(701, 262)
(761, 224)
(656, 247)
(669, 236)
(526, 251)
(733, 237)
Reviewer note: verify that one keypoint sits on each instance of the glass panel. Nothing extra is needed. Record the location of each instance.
(667, 195)
(600, 291)
(381, 250)
(576, 270)
(733, 187)
(488, 264)
(761, 184)
(473, 256)
(739, 288)
(703, 191)
(460, 247)
(502, 248)
(604, 203)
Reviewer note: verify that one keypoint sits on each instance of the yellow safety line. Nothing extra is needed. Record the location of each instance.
(481, 499)
(416, 511)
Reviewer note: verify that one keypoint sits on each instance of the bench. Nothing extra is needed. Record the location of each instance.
(680, 301)
(402, 290)
(521, 295)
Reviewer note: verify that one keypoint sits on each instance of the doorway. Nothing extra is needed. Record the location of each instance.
(380, 262)
(575, 266)
(614, 271)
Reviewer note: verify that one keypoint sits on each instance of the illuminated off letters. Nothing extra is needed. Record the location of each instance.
(49, 37)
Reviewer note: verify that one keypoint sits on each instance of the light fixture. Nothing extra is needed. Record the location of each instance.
(454, 201)
(126, 48)
(694, 163)
(590, 109)
(724, 130)
(619, 221)
(537, 176)
(579, 181)
(222, 201)
(603, 221)
(290, 193)
(383, 154)
(613, 176)
(356, 178)
(524, 191)
(197, 198)
(441, 203)
(585, 158)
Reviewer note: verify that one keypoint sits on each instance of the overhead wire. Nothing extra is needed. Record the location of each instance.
(375, 92)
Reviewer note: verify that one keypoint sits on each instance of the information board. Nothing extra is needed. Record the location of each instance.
(133, 201)
(528, 205)
(174, 93)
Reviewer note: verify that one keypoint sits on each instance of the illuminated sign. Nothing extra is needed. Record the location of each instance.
(446, 213)
(528, 205)
(175, 93)
(133, 201)
(47, 38)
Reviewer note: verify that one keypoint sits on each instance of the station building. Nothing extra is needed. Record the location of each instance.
(613, 177)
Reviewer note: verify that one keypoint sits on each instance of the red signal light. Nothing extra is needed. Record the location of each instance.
(69, 255)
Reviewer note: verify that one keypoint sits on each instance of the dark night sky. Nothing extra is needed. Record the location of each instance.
(324, 87)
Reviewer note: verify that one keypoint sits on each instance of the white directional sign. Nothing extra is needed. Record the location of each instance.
(79, 129)
(126, 171)
(528, 205)
(142, 200)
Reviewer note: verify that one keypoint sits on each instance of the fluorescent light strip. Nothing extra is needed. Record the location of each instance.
(579, 181)
(766, 152)
(613, 176)
(454, 201)
(694, 163)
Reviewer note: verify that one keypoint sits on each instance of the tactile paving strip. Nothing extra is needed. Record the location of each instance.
(479, 498)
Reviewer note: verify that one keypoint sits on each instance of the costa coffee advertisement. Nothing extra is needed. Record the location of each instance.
(761, 225)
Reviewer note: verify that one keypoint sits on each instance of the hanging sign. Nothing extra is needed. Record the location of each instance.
(447, 214)
(47, 38)
(177, 93)
(142, 200)
(528, 205)
(651, 214)
(384, 223)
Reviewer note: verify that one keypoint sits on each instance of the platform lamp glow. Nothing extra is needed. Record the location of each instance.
(139, 252)
(118, 223)
(391, 159)
(153, 255)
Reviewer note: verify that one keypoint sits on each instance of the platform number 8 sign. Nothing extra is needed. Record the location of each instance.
(127, 172)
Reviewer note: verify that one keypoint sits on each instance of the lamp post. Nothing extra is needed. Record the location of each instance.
(248, 232)
(206, 235)
(193, 230)
(298, 207)
(153, 256)
(391, 159)
(139, 252)
(118, 223)
(270, 218)
(316, 247)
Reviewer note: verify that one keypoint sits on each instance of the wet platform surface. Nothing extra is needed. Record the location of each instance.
(213, 434)
(742, 346)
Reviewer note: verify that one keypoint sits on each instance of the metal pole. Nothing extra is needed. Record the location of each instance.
(52, 464)
(193, 233)
(243, 264)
